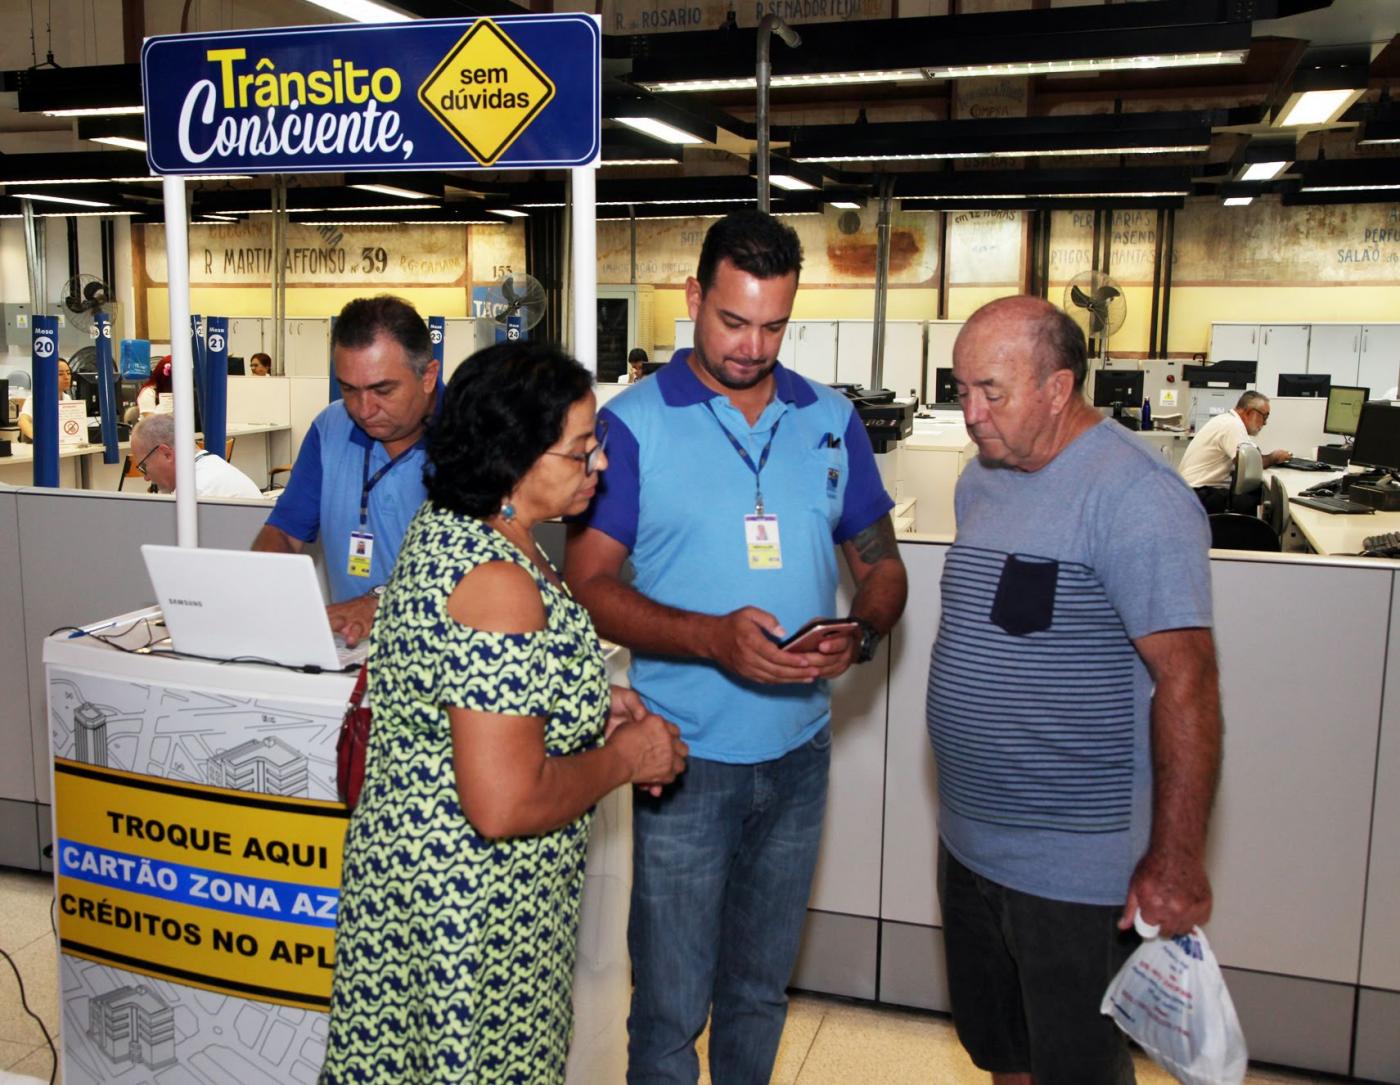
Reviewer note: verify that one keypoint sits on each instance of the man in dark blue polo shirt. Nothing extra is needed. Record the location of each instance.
(731, 482)
(358, 478)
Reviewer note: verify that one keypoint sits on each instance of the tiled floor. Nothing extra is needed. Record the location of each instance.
(827, 1042)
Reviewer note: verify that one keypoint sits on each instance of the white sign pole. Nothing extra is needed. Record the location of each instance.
(583, 215)
(177, 259)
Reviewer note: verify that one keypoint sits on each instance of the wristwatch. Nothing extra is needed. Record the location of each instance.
(869, 640)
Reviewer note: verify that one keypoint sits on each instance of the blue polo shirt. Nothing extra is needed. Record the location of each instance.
(676, 493)
(323, 498)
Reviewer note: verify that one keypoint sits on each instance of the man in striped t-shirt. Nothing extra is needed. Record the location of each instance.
(1073, 705)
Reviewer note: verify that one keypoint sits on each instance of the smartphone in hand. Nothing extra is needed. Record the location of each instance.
(811, 635)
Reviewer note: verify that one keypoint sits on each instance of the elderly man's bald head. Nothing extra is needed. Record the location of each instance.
(1023, 322)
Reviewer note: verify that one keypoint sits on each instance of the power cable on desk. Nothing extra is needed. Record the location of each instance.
(24, 1002)
(146, 650)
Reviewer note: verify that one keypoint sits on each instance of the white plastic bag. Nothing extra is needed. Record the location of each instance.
(1171, 999)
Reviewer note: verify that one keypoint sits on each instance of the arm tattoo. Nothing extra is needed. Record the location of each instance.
(876, 543)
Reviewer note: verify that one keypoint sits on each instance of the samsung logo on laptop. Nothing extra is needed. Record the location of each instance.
(184, 603)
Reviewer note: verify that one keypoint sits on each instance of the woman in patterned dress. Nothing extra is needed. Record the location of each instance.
(464, 859)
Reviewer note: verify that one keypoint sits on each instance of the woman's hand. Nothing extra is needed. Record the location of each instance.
(652, 750)
(626, 705)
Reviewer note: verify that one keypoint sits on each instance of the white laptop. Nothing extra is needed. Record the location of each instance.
(238, 604)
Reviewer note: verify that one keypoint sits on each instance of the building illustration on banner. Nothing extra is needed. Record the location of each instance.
(265, 765)
(90, 733)
(132, 1024)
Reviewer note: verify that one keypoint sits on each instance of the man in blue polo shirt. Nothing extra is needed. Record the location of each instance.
(358, 478)
(731, 481)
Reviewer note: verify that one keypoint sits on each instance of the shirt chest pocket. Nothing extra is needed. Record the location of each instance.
(823, 482)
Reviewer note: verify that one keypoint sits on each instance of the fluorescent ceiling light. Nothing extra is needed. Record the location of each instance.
(686, 199)
(323, 210)
(904, 75)
(98, 111)
(667, 133)
(1092, 64)
(125, 142)
(216, 218)
(1263, 171)
(363, 11)
(1194, 148)
(1316, 106)
(508, 212)
(59, 199)
(394, 190)
(1238, 201)
(396, 222)
(790, 184)
(62, 181)
(150, 177)
(1346, 188)
(639, 162)
(1049, 196)
(844, 205)
(1377, 142)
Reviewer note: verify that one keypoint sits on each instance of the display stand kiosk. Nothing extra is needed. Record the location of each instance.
(197, 853)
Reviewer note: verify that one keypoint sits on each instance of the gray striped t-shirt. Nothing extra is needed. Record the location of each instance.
(1038, 703)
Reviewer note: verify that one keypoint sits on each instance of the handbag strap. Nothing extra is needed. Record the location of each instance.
(357, 695)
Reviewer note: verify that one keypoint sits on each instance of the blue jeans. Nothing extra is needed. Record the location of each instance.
(722, 869)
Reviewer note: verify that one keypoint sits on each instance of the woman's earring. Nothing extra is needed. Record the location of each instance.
(507, 512)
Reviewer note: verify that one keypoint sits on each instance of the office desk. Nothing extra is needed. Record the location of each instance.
(1329, 532)
(81, 467)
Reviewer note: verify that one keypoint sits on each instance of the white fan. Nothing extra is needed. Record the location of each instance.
(1097, 305)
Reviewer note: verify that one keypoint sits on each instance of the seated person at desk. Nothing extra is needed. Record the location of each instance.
(153, 452)
(1210, 457)
(26, 413)
(636, 358)
(260, 365)
(358, 478)
(155, 396)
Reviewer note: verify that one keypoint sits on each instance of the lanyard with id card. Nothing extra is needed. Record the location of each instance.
(360, 557)
(761, 539)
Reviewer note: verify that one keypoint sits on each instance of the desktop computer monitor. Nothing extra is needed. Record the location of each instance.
(235, 366)
(1118, 388)
(945, 389)
(1344, 409)
(1377, 442)
(1304, 384)
(85, 388)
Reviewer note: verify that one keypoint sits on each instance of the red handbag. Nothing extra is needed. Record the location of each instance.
(352, 744)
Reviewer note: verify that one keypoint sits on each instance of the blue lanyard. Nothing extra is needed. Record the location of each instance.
(748, 460)
(367, 483)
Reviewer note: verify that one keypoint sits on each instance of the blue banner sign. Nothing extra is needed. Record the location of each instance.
(106, 388)
(514, 91)
(44, 370)
(216, 385)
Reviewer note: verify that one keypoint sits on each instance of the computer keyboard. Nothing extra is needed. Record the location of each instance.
(1306, 465)
(1333, 504)
(1387, 545)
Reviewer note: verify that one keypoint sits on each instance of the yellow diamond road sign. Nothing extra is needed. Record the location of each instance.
(486, 91)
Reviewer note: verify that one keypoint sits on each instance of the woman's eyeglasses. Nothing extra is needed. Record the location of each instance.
(589, 459)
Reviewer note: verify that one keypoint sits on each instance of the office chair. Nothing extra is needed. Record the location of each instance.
(1275, 508)
(1247, 484)
(1235, 531)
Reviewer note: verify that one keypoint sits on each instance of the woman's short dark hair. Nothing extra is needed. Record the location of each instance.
(504, 406)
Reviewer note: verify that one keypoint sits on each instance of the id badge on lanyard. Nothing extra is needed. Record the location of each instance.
(360, 558)
(361, 555)
(761, 540)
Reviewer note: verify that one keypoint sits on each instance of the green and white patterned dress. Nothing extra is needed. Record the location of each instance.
(454, 952)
